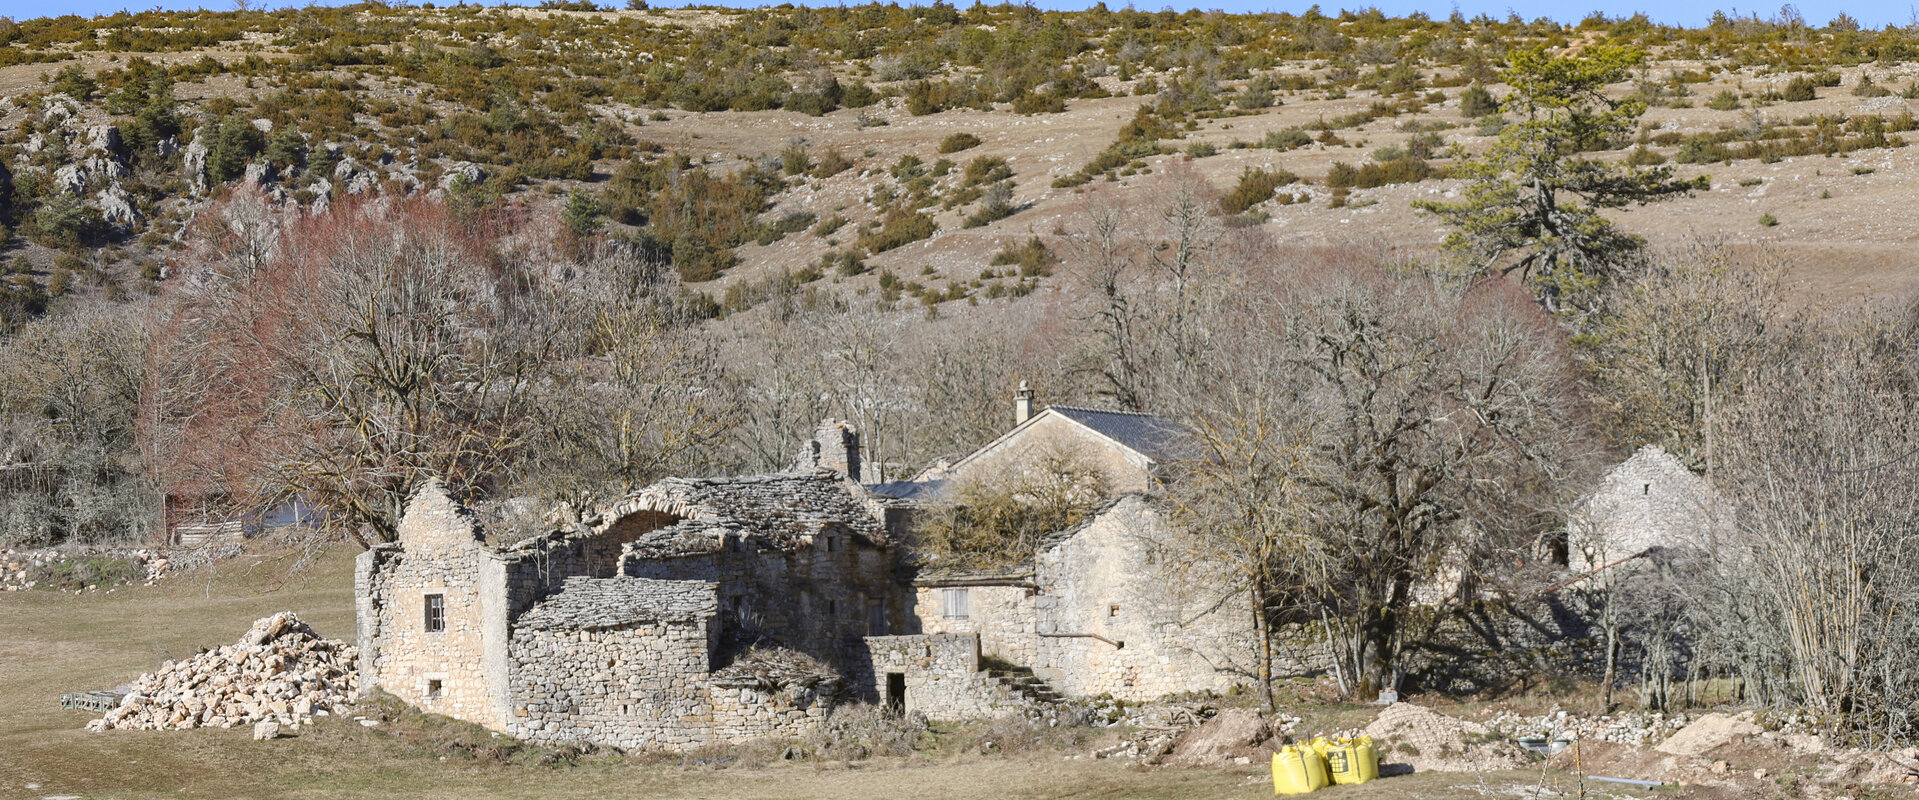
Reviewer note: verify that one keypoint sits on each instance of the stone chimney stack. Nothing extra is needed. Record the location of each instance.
(1022, 404)
(835, 446)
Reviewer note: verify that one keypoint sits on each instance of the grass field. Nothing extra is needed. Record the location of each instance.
(52, 643)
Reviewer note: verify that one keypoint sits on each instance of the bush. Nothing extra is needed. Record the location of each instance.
(958, 142)
(1400, 170)
(1476, 102)
(1287, 139)
(1866, 88)
(1032, 257)
(860, 731)
(234, 142)
(1767, 220)
(1799, 90)
(64, 221)
(900, 227)
(1255, 186)
(1725, 100)
(997, 205)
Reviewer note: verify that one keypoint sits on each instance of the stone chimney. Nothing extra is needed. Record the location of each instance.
(1022, 404)
(835, 446)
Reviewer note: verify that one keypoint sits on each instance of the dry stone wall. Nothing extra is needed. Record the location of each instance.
(941, 673)
(638, 685)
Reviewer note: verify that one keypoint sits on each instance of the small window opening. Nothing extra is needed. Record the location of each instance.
(832, 608)
(433, 690)
(1646, 489)
(435, 613)
(958, 604)
(1112, 611)
(832, 544)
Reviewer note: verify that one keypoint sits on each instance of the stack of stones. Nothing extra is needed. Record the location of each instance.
(18, 568)
(281, 671)
(1637, 728)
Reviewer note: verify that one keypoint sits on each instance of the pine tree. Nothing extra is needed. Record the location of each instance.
(1533, 202)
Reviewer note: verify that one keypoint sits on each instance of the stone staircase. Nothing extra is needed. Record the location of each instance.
(1021, 682)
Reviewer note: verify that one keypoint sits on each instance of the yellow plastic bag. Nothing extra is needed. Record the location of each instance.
(1298, 770)
(1350, 761)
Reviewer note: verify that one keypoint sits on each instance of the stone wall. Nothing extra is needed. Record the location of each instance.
(638, 685)
(817, 600)
(1169, 629)
(1003, 616)
(745, 714)
(454, 670)
(942, 675)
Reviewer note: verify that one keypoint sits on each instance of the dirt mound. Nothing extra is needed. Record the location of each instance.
(1433, 742)
(280, 671)
(1856, 766)
(1234, 733)
(1706, 734)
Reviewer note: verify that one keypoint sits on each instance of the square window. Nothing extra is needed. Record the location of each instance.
(435, 613)
(1112, 611)
(433, 689)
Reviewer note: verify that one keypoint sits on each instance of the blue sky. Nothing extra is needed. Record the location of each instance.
(1680, 12)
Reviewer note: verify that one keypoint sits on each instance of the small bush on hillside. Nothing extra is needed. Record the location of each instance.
(1799, 90)
(900, 227)
(958, 142)
(1255, 186)
(1032, 256)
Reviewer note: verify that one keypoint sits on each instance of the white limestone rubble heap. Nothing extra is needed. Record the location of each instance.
(280, 671)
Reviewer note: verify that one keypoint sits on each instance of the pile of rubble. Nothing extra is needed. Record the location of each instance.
(21, 570)
(1158, 728)
(280, 672)
(1637, 728)
(1433, 742)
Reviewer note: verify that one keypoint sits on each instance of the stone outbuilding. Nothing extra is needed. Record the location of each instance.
(1650, 500)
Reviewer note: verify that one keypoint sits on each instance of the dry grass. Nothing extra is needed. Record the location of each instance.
(52, 643)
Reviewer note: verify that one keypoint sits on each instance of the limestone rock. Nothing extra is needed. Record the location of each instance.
(116, 207)
(266, 730)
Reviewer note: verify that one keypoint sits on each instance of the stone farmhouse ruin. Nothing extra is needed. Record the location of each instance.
(1649, 501)
(703, 611)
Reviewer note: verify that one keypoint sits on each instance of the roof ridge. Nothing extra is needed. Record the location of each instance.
(1105, 410)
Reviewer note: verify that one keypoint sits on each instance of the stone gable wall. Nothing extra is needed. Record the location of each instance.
(812, 600)
(1648, 500)
(1179, 633)
(1124, 471)
(440, 552)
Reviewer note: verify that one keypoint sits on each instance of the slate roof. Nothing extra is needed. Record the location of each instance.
(1157, 438)
(778, 511)
(596, 603)
(910, 490)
